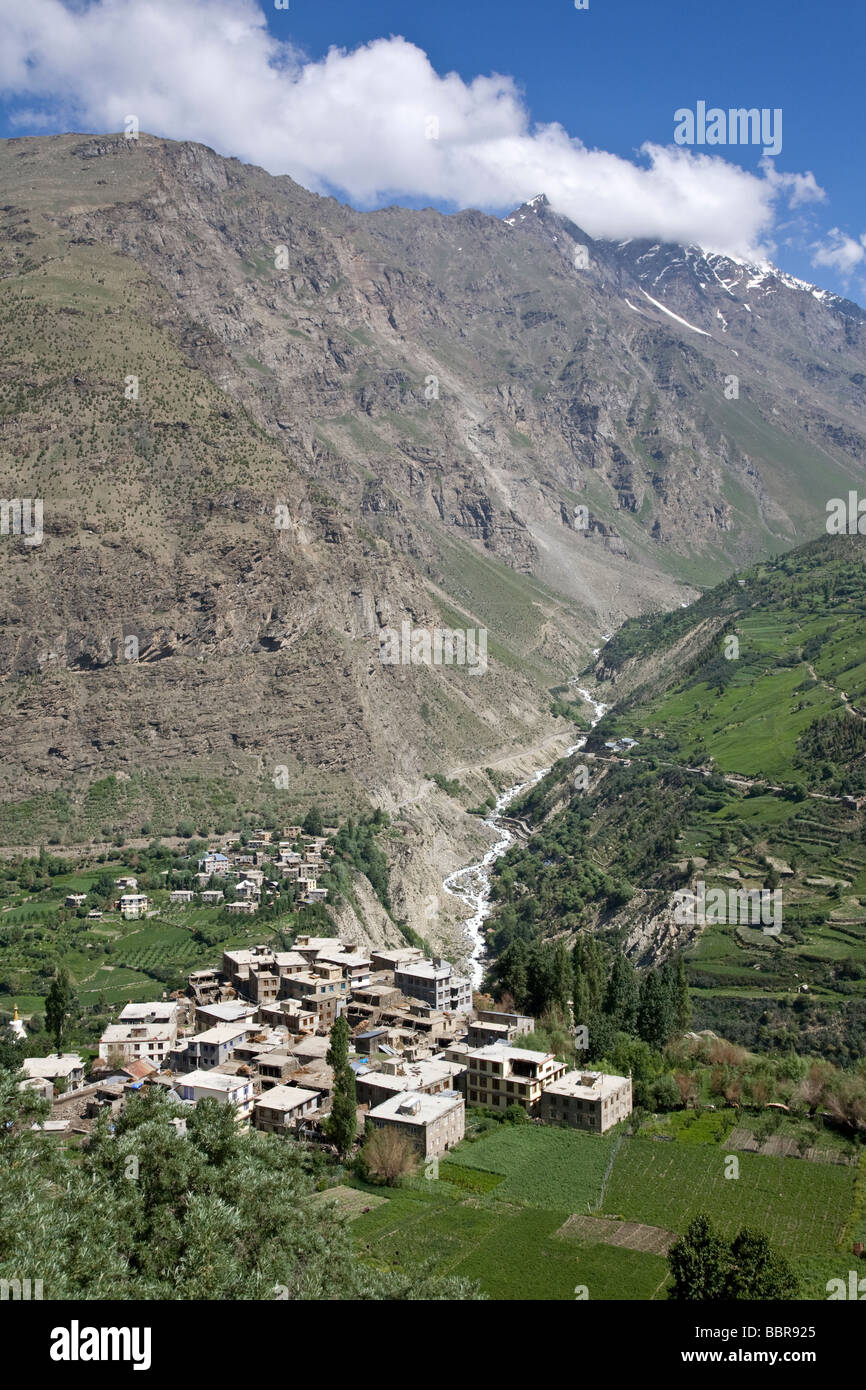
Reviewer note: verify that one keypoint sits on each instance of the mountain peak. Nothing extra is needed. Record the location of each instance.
(536, 205)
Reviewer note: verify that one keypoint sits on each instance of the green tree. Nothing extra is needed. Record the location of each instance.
(622, 997)
(698, 1263)
(313, 823)
(162, 1215)
(562, 978)
(58, 1005)
(342, 1123)
(511, 972)
(590, 978)
(655, 1014)
(707, 1267)
(756, 1272)
(682, 1004)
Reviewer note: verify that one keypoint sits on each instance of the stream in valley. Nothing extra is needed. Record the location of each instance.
(472, 883)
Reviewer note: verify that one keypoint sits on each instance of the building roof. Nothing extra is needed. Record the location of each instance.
(358, 958)
(285, 1098)
(412, 1076)
(213, 1081)
(139, 1069)
(502, 1052)
(47, 1068)
(136, 1032)
(230, 1011)
(415, 1108)
(586, 1085)
(425, 970)
(161, 1011)
(225, 1032)
(312, 1047)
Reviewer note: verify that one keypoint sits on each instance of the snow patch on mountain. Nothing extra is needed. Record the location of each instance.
(672, 315)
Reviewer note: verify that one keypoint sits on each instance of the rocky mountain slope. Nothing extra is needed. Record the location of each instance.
(266, 426)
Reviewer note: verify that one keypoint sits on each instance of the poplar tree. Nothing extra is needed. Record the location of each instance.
(342, 1123)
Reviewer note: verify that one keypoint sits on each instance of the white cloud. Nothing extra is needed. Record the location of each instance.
(799, 188)
(356, 121)
(840, 251)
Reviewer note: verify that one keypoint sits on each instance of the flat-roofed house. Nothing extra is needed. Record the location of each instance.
(217, 1044)
(65, 1070)
(214, 862)
(498, 1075)
(322, 990)
(391, 1077)
(355, 965)
(291, 1014)
(241, 965)
(236, 1091)
(434, 1123)
(587, 1100)
(229, 1011)
(133, 1041)
(382, 959)
(275, 1068)
(133, 905)
(482, 1032)
(434, 982)
(281, 1109)
(310, 947)
(181, 895)
(152, 1011)
(263, 986)
(521, 1023)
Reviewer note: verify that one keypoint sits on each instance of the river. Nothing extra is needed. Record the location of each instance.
(472, 883)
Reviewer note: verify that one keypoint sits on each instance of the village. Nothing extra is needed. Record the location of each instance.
(237, 879)
(254, 1033)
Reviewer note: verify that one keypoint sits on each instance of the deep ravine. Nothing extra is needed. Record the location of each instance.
(472, 883)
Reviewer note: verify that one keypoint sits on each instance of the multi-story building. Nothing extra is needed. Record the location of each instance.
(434, 1123)
(274, 1068)
(434, 983)
(134, 1042)
(492, 1026)
(229, 1011)
(64, 1070)
(156, 1011)
(382, 959)
(213, 863)
(236, 1091)
(205, 986)
(322, 990)
(498, 1075)
(587, 1100)
(133, 905)
(355, 965)
(281, 1109)
(217, 1044)
(240, 964)
(291, 1014)
(391, 1077)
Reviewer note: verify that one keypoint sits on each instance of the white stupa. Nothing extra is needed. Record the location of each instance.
(18, 1028)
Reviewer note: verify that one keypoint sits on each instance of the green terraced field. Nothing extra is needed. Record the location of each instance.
(801, 1206)
(507, 1238)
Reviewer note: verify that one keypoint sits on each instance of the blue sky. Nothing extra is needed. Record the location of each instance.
(587, 114)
